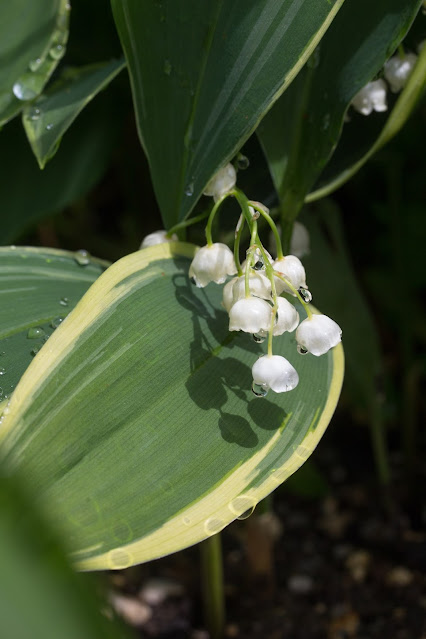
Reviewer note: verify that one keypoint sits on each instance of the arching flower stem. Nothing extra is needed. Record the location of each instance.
(250, 256)
(272, 224)
(296, 292)
(238, 233)
(186, 223)
(214, 210)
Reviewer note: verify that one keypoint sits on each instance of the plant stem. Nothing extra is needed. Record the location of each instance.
(186, 223)
(213, 592)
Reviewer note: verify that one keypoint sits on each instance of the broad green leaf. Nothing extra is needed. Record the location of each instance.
(33, 36)
(41, 596)
(136, 425)
(38, 288)
(50, 116)
(360, 143)
(28, 194)
(301, 131)
(203, 74)
(338, 293)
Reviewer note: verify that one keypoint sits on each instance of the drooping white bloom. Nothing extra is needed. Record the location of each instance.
(260, 286)
(398, 69)
(372, 97)
(222, 182)
(212, 264)
(257, 258)
(251, 315)
(275, 372)
(228, 298)
(158, 237)
(318, 334)
(287, 317)
(292, 269)
(299, 243)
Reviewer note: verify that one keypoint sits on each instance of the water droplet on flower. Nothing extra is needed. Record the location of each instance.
(57, 52)
(167, 67)
(243, 162)
(82, 257)
(56, 322)
(214, 525)
(35, 332)
(35, 64)
(258, 338)
(259, 265)
(49, 126)
(305, 295)
(64, 301)
(302, 350)
(189, 191)
(259, 390)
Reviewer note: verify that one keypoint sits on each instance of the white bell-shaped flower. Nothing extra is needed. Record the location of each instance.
(372, 97)
(212, 264)
(251, 315)
(258, 260)
(275, 372)
(398, 69)
(292, 269)
(317, 334)
(287, 317)
(299, 243)
(222, 182)
(260, 286)
(228, 298)
(158, 237)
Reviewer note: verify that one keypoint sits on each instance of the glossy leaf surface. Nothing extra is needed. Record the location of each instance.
(33, 36)
(38, 288)
(49, 117)
(302, 129)
(203, 74)
(136, 424)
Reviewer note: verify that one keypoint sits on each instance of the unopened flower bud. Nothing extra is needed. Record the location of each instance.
(222, 182)
(212, 264)
(275, 372)
(158, 237)
(372, 97)
(317, 334)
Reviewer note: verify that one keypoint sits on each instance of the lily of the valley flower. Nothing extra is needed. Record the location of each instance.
(372, 97)
(235, 289)
(317, 334)
(222, 182)
(251, 315)
(276, 373)
(212, 264)
(398, 69)
(158, 237)
(292, 269)
(287, 317)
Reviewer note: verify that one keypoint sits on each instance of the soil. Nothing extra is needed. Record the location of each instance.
(351, 563)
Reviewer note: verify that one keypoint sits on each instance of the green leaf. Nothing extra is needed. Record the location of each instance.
(136, 423)
(360, 142)
(28, 194)
(338, 292)
(38, 288)
(49, 117)
(41, 596)
(203, 74)
(301, 131)
(33, 36)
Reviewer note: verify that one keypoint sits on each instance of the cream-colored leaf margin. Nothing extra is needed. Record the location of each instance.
(218, 508)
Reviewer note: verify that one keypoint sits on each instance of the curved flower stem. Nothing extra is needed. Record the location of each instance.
(214, 210)
(244, 204)
(186, 223)
(272, 224)
(296, 292)
(238, 232)
(271, 329)
(250, 257)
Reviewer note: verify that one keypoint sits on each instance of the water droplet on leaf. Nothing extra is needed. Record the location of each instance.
(35, 332)
(34, 351)
(57, 52)
(301, 350)
(49, 126)
(189, 191)
(243, 162)
(35, 64)
(56, 322)
(64, 301)
(28, 86)
(82, 257)
(259, 339)
(213, 525)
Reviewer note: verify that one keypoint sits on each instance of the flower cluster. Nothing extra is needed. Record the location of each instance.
(396, 71)
(252, 298)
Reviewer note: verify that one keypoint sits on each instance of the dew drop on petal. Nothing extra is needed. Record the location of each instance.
(259, 390)
(305, 294)
(259, 265)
